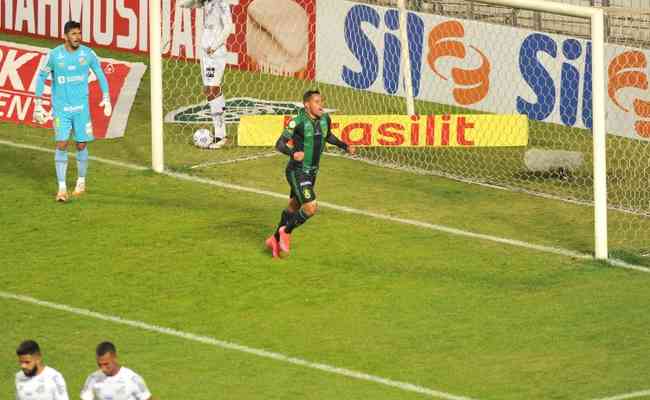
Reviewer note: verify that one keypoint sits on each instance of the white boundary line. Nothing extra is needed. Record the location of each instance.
(235, 160)
(405, 386)
(479, 182)
(350, 210)
(625, 396)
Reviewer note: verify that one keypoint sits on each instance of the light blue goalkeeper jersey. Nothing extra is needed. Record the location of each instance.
(70, 73)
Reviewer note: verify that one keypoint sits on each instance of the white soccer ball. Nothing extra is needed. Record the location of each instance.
(202, 138)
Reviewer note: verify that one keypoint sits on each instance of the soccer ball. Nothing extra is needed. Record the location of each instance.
(202, 138)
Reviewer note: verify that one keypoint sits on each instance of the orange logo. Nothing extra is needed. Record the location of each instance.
(627, 70)
(472, 85)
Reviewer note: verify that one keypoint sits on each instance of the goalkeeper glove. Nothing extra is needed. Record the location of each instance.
(106, 103)
(40, 115)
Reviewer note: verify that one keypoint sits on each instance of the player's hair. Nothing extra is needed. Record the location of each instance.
(105, 347)
(28, 348)
(70, 25)
(309, 94)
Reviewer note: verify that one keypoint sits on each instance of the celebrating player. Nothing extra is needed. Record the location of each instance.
(69, 65)
(217, 26)
(309, 131)
(35, 381)
(113, 381)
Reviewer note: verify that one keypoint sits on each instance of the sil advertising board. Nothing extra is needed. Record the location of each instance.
(481, 66)
(259, 43)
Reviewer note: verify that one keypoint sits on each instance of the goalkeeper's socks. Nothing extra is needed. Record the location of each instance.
(217, 107)
(296, 220)
(61, 164)
(82, 162)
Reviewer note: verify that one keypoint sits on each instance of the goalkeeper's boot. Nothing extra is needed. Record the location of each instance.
(62, 197)
(272, 244)
(284, 242)
(79, 189)
(218, 143)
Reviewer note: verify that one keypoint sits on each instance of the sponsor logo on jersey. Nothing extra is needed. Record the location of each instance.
(73, 108)
(235, 108)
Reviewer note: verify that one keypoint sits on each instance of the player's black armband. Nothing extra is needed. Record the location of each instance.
(283, 147)
(331, 139)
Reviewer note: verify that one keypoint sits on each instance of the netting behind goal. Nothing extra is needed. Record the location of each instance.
(271, 65)
(539, 64)
(466, 58)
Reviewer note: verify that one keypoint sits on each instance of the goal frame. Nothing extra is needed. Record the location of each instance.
(599, 130)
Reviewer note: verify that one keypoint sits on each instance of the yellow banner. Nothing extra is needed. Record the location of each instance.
(468, 130)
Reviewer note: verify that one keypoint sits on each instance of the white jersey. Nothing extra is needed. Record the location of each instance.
(217, 24)
(48, 385)
(125, 385)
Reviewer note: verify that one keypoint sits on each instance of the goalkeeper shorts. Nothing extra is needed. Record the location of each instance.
(213, 66)
(76, 120)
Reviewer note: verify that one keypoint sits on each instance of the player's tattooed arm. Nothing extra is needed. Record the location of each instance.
(331, 139)
(282, 145)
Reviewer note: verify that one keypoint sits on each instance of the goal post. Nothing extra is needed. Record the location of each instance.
(156, 87)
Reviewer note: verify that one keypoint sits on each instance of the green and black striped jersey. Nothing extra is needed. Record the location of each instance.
(309, 136)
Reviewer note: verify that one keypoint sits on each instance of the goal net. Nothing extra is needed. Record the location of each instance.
(463, 58)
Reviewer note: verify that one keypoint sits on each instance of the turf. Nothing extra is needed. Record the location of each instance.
(387, 299)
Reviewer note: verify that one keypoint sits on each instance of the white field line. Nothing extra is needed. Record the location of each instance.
(405, 386)
(478, 182)
(235, 160)
(632, 395)
(356, 211)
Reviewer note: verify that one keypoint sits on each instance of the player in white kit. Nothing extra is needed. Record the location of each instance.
(35, 381)
(217, 26)
(113, 381)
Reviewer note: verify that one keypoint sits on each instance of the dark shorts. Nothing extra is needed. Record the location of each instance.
(302, 186)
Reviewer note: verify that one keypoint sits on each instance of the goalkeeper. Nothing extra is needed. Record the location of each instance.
(217, 26)
(70, 65)
(309, 131)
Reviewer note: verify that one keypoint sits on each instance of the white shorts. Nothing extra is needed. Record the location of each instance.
(213, 66)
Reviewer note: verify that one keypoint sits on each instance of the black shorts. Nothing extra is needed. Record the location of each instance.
(302, 185)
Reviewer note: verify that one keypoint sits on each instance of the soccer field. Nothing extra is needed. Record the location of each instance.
(421, 311)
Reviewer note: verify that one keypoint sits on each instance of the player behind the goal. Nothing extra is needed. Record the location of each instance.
(217, 26)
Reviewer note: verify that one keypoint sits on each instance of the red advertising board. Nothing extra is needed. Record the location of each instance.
(124, 25)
